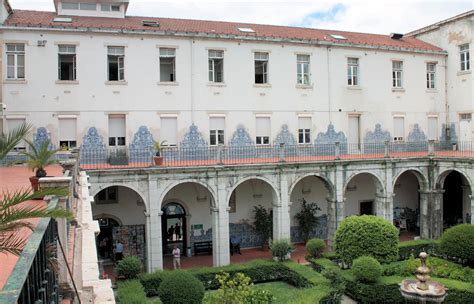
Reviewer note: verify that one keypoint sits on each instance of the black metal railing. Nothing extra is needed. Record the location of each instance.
(239, 155)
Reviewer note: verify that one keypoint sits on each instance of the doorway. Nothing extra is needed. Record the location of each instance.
(173, 227)
(367, 208)
(105, 239)
(354, 134)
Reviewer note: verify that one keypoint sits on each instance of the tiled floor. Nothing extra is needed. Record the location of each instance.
(14, 179)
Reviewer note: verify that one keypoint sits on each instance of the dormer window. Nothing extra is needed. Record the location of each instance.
(79, 6)
(110, 7)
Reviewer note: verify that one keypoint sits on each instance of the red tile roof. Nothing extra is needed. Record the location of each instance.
(218, 28)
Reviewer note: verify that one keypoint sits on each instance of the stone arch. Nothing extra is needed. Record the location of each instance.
(442, 177)
(327, 183)
(131, 187)
(179, 201)
(171, 186)
(115, 218)
(379, 185)
(420, 176)
(264, 179)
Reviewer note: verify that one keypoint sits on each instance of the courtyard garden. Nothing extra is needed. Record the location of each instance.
(367, 265)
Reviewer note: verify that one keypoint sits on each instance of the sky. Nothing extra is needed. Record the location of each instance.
(370, 16)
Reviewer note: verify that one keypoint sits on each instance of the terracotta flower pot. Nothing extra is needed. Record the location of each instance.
(158, 160)
(34, 180)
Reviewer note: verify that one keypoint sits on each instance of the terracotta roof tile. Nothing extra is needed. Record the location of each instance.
(134, 23)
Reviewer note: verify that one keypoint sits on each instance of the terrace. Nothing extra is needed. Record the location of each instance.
(117, 158)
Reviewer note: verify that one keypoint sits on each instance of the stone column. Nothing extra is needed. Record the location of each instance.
(436, 213)
(389, 207)
(332, 221)
(215, 235)
(155, 242)
(424, 215)
(281, 211)
(472, 208)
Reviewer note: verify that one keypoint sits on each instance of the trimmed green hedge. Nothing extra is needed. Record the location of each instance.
(366, 269)
(408, 248)
(132, 292)
(181, 287)
(258, 271)
(458, 243)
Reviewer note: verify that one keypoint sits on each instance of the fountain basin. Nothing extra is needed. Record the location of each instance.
(436, 292)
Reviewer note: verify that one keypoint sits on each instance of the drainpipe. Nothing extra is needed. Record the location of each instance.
(191, 48)
(328, 49)
(448, 127)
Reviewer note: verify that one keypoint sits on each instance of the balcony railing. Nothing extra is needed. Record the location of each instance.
(241, 155)
(34, 278)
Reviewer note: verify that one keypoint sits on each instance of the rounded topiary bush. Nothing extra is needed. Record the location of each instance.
(315, 247)
(129, 268)
(458, 242)
(366, 235)
(281, 250)
(180, 287)
(366, 269)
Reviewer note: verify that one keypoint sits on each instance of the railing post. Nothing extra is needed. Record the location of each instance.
(431, 147)
(337, 152)
(219, 155)
(386, 149)
(282, 152)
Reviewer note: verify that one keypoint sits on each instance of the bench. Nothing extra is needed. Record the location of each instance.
(204, 246)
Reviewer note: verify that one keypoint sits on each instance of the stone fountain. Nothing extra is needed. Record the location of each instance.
(423, 289)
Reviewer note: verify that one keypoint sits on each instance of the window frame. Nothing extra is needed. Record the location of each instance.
(353, 70)
(464, 57)
(16, 67)
(120, 63)
(397, 74)
(74, 61)
(300, 69)
(165, 56)
(431, 76)
(212, 63)
(264, 62)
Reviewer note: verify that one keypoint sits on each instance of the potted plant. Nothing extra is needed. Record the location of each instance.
(263, 222)
(38, 158)
(158, 158)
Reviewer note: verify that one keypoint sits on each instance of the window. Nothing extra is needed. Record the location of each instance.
(304, 130)
(16, 61)
(12, 124)
(87, 6)
(397, 74)
(431, 75)
(433, 128)
(71, 6)
(465, 60)
(116, 130)
(217, 127)
(169, 131)
(108, 195)
(302, 69)
(116, 57)
(67, 62)
(262, 131)
(216, 66)
(399, 128)
(67, 133)
(110, 7)
(353, 71)
(261, 67)
(465, 116)
(167, 65)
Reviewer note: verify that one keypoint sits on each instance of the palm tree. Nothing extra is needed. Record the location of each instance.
(40, 157)
(11, 139)
(14, 214)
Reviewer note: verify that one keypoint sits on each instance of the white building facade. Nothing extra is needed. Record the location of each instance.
(89, 76)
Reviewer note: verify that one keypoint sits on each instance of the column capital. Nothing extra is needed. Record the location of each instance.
(147, 214)
(214, 209)
(159, 213)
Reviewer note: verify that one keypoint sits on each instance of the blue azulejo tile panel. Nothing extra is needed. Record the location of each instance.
(141, 148)
(93, 148)
(320, 231)
(42, 135)
(325, 141)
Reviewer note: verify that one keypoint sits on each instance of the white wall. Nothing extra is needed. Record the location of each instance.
(406, 192)
(360, 188)
(142, 99)
(249, 194)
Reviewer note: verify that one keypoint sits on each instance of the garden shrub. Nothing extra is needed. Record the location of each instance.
(415, 247)
(314, 248)
(281, 249)
(237, 289)
(180, 287)
(131, 292)
(129, 268)
(458, 242)
(366, 269)
(334, 275)
(307, 218)
(151, 282)
(366, 235)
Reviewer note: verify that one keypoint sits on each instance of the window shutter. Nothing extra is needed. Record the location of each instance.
(116, 126)
(433, 128)
(399, 126)
(67, 129)
(13, 124)
(217, 123)
(304, 123)
(169, 130)
(263, 126)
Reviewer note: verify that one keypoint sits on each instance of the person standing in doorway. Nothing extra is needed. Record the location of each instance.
(177, 230)
(176, 258)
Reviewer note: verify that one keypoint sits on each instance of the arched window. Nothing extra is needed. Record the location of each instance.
(173, 209)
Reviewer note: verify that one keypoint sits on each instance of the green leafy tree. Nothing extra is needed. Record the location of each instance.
(307, 219)
(14, 213)
(263, 222)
